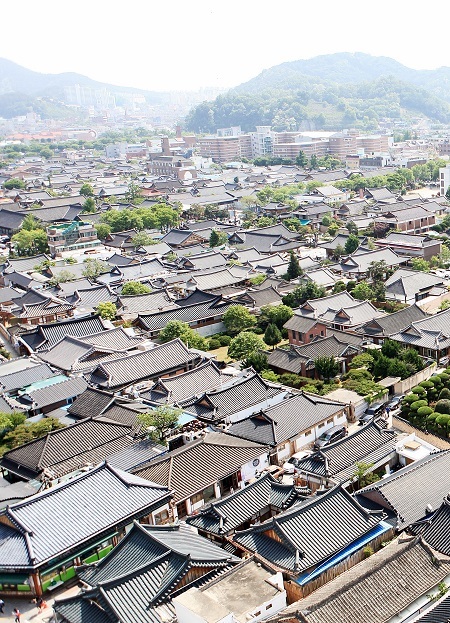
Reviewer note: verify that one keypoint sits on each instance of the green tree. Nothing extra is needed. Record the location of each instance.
(14, 182)
(178, 329)
(142, 239)
(363, 476)
(87, 190)
(418, 263)
(160, 421)
(62, 277)
(293, 269)
(274, 314)
(93, 268)
(256, 360)
(103, 230)
(326, 367)
(351, 244)
(30, 242)
(447, 193)
(303, 293)
(237, 318)
(107, 310)
(133, 192)
(362, 291)
(31, 223)
(352, 227)
(217, 238)
(272, 335)
(133, 288)
(89, 206)
(243, 345)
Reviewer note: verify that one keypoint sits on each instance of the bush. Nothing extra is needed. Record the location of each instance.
(225, 340)
(358, 374)
(426, 384)
(435, 380)
(417, 404)
(420, 391)
(444, 394)
(410, 398)
(442, 406)
(442, 421)
(432, 417)
(213, 344)
(424, 411)
(445, 378)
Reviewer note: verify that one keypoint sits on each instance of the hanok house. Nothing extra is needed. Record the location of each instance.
(396, 584)
(308, 543)
(260, 500)
(429, 336)
(166, 560)
(378, 329)
(335, 464)
(301, 359)
(290, 425)
(43, 538)
(206, 469)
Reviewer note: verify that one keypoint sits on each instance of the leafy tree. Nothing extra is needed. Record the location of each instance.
(62, 277)
(23, 433)
(351, 244)
(275, 314)
(302, 159)
(103, 230)
(14, 182)
(418, 263)
(269, 375)
(272, 335)
(326, 367)
(256, 360)
(447, 193)
(217, 238)
(338, 252)
(256, 281)
(89, 206)
(362, 291)
(132, 288)
(293, 269)
(160, 421)
(390, 348)
(352, 228)
(142, 239)
(377, 270)
(107, 310)
(30, 242)
(363, 360)
(178, 329)
(93, 268)
(243, 345)
(363, 476)
(303, 293)
(339, 286)
(237, 318)
(133, 192)
(87, 190)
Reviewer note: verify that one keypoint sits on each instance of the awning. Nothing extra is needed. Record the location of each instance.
(14, 578)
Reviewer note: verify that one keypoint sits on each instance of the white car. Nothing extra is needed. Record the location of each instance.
(290, 465)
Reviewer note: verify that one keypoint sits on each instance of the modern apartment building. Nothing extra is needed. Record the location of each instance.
(71, 237)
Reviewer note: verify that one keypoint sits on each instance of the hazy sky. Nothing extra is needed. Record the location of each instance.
(181, 44)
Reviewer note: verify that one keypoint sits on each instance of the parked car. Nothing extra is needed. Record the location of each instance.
(395, 402)
(291, 464)
(376, 409)
(330, 436)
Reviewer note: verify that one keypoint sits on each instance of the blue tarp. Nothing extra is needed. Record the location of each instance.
(348, 551)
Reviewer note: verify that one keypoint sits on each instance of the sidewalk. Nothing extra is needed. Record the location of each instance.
(29, 610)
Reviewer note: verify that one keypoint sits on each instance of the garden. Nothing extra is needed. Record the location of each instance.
(428, 405)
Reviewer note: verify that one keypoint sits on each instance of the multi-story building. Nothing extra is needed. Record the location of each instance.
(444, 179)
(172, 166)
(71, 237)
(262, 141)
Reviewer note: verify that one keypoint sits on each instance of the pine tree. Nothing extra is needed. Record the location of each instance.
(272, 336)
(293, 269)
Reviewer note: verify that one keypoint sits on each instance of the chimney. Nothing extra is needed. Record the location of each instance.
(178, 131)
(165, 146)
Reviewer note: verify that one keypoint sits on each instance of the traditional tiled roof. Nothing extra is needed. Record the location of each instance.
(225, 516)
(184, 313)
(393, 323)
(337, 461)
(432, 332)
(16, 380)
(181, 387)
(375, 590)
(201, 463)
(46, 335)
(236, 396)
(291, 360)
(60, 519)
(61, 389)
(153, 363)
(91, 403)
(286, 420)
(67, 449)
(313, 528)
(410, 490)
(435, 529)
(141, 303)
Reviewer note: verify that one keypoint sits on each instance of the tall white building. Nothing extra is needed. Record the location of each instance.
(444, 179)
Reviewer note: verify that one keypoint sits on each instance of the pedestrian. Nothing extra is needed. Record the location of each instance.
(40, 604)
(16, 613)
(2, 605)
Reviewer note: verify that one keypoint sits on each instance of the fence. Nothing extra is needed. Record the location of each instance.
(404, 386)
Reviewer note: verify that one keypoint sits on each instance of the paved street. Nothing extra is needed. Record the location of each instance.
(29, 610)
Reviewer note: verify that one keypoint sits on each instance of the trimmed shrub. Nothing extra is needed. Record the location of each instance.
(444, 394)
(432, 417)
(410, 398)
(445, 378)
(426, 384)
(442, 421)
(420, 391)
(424, 412)
(417, 404)
(213, 344)
(225, 340)
(435, 380)
(443, 406)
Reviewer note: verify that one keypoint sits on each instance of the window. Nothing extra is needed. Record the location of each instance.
(330, 421)
(162, 517)
(321, 425)
(307, 432)
(198, 497)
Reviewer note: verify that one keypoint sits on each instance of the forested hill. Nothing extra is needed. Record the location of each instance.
(329, 92)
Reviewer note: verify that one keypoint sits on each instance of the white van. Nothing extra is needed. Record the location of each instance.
(290, 465)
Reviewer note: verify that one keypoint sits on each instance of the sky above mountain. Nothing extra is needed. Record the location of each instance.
(179, 45)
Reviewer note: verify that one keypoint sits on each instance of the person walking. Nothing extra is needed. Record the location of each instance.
(16, 613)
(40, 604)
(2, 605)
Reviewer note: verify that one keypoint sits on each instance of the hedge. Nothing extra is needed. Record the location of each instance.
(225, 340)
